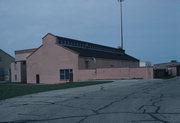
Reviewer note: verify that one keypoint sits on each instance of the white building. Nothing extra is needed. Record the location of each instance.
(144, 64)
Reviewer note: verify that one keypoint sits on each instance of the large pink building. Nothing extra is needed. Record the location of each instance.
(61, 59)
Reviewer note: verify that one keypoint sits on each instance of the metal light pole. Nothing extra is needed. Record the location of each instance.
(121, 25)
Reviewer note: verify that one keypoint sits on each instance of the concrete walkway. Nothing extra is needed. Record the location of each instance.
(123, 101)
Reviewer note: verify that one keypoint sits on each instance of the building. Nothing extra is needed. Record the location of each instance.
(61, 59)
(5, 65)
(18, 68)
(171, 68)
(144, 64)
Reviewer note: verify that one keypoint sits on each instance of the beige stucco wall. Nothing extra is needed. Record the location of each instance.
(48, 60)
(20, 70)
(105, 63)
(16, 71)
(21, 56)
(115, 73)
(51, 57)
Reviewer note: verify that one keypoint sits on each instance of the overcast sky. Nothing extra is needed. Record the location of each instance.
(151, 27)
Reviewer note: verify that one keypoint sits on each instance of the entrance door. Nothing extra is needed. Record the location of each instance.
(37, 79)
(71, 76)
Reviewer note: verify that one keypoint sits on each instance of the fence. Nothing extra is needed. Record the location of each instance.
(115, 73)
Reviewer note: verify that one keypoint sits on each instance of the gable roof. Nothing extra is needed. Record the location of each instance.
(100, 54)
(88, 44)
(108, 53)
(49, 34)
(25, 51)
(6, 53)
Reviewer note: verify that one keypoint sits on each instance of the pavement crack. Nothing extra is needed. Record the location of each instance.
(137, 121)
(111, 103)
(82, 120)
(29, 115)
(157, 110)
(84, 117)
(75, 107)
(155, 101)
(106, 106)
(157, 119)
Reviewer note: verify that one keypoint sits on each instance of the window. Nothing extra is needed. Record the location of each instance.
(15, 66)
(2, 77)
(67, 42)
(23, 62)
(76, 44)
(87, 64)
(65, 74)
(111, 65)
(2, 71)
(15, 76)
(83, 45)
(70, 42)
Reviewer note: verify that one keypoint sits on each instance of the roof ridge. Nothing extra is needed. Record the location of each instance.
(6, 53)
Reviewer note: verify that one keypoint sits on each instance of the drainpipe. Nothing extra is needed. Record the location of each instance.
(94, 60)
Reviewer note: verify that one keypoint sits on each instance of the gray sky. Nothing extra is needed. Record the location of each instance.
(151, 27)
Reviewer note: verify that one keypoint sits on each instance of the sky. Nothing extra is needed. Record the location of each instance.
(151, 27)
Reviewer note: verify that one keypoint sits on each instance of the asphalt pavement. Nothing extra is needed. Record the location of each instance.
(123, 101)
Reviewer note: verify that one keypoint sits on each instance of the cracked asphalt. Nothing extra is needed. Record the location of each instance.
(123, 101)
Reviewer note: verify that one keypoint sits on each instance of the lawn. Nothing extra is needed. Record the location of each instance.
(9, 90)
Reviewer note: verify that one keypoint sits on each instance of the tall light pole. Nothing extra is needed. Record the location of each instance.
(121, 23)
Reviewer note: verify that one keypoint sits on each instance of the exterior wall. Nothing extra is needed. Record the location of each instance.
(166, 65)
(160, 73)
(144, 64)
(18, 68)
(22, 56)
(16, 71)
(115, 73)
(105, 63)
(170, 71)
(173, 70)
(48, 60)
(5, 66)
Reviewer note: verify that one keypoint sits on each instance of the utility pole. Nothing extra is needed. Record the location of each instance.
(121, 23)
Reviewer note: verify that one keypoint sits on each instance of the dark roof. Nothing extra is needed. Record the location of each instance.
(165, 65)
(25, 51)
(88, 45)
(6, 53)
(94, 50)
(100, 54)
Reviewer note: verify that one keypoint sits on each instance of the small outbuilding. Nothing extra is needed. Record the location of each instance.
(170, 69)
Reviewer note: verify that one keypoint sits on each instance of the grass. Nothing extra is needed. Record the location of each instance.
(9, 90)
(168, 77)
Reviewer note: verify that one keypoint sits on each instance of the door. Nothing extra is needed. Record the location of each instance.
(37, 78)
(70, 75)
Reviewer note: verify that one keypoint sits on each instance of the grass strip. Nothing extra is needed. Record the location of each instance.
(9, 90)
